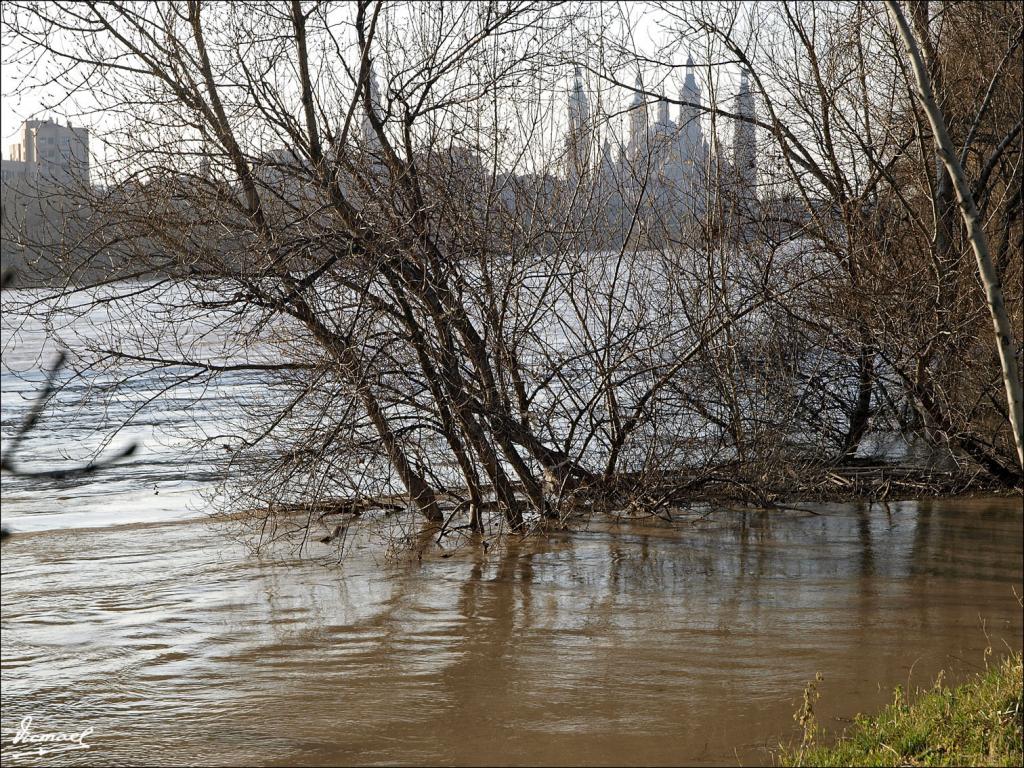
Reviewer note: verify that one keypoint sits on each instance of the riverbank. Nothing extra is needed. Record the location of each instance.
(977, 723)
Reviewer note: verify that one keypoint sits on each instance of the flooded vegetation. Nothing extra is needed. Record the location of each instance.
(629, 644)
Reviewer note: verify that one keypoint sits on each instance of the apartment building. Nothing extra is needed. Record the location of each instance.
(50, 151)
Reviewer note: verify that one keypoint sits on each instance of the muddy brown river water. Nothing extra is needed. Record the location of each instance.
(628, 644)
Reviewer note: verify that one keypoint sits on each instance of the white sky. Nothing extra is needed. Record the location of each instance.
(13, 110)
(37, 103)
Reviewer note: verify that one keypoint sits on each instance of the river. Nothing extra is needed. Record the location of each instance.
(629, 644)
(125, 612)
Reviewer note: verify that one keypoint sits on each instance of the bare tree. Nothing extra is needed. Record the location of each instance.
(502, 262)
(975, 232)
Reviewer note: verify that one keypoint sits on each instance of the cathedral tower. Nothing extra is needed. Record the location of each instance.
(745, 139)
(637, 151)
(691, 135)
(579, 140)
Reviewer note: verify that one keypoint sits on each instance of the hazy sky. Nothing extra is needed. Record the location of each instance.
(12, 109)
(16, 108)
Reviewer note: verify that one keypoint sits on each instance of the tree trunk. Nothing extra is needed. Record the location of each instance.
(421, 494)
(861, 416)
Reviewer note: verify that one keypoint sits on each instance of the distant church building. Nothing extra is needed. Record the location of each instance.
(667, 170)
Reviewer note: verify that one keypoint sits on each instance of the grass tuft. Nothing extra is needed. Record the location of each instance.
(977, 723)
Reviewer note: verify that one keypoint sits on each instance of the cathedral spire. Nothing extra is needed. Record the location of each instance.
(579, 108)
(663, 111)
(579, 139)
(690, 95)
(693, 147)
(638, 122)
(690, 91)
